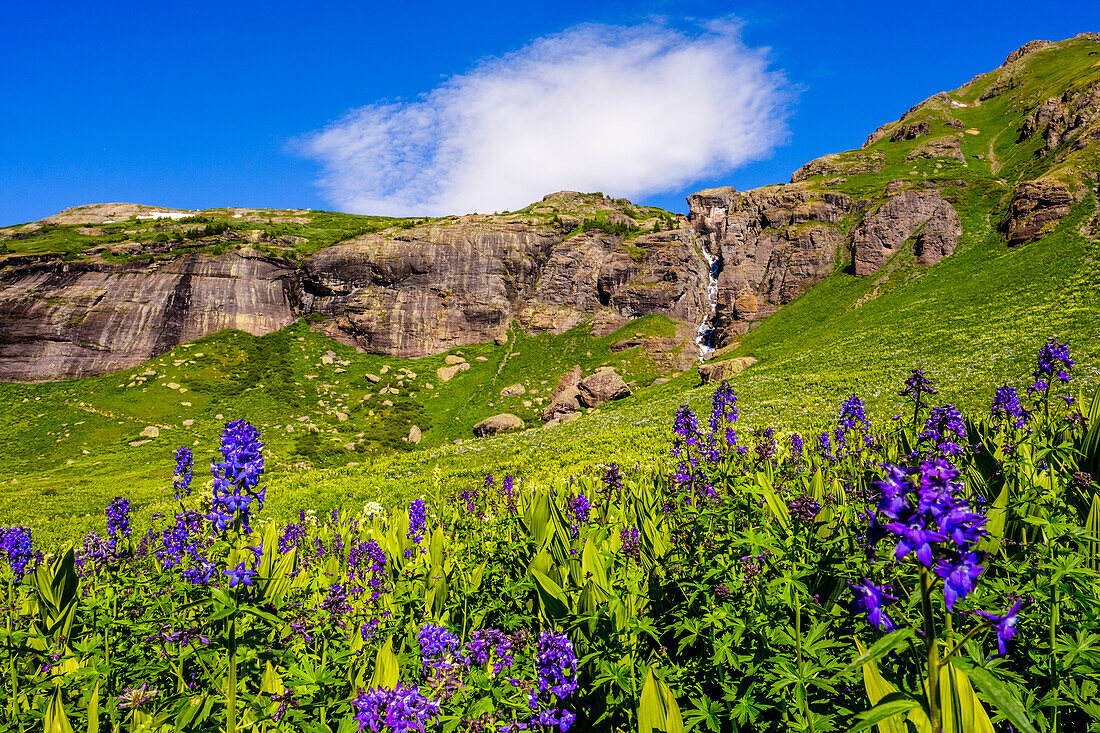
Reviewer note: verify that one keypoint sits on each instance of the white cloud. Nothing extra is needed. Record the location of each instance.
(631, 111)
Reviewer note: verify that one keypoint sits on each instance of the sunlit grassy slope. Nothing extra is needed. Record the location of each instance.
(974, 321)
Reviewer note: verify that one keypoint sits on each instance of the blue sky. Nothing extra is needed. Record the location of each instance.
(205, 104)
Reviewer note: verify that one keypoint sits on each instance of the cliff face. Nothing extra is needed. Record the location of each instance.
(408, 292)
(60, 320)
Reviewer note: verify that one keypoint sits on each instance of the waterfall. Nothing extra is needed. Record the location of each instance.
(705, 337)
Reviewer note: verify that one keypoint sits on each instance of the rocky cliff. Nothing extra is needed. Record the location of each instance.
(406, 291)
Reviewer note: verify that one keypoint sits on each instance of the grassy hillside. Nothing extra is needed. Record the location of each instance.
(974, 321)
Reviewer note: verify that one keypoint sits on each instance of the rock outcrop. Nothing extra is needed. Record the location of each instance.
(498, 424)
(947, 146)
(922, 213)
(409, 292)
(1036, 208)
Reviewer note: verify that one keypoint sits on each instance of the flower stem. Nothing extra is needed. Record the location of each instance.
(933, 665)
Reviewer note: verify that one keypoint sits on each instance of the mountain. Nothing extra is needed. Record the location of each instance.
(100, 288)
(1023, 268)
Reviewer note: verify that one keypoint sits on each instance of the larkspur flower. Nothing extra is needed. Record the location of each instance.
(438, 647)
(825, 448)
(184, 465)
(556, 663)
(916, 386)
(118, 520)
(958, 577)
(134, 697)
(579, 509)
(335, 601)
(723, 406)
(402, 709)
(1004, 625)
(804, 508)
(285, 699)
(1007, 407)
(945, 430)
(236, 476)
(631, 543)
(1054, 363)
(613, 480)
(239, 575)
(418, 513)
(797, 451)
(872, 599)
(686, 428)
(484, 644)
(16, 544)
(853, 415)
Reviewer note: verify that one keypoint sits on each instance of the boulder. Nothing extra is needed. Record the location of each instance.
(498, 424)
(453, 359)
(374, 378)
(910, 131)
(414, 434)
(604, 385)
(514, 390)
(447, 372)
(721, 370)
(151, 431)
(566, 396)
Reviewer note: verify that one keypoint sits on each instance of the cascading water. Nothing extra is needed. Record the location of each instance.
(706, 332)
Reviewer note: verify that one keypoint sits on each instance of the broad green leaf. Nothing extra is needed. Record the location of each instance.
(93, 710)
(887, 713)
(552, 599)
(386, 670)
(1006, 703)
(882, 647)
(1092, 527)
(55, 720)
(657, 708)
(962, 712)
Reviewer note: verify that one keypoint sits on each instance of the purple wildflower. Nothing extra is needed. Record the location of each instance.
(118, 519)
(418, 512)
(184, 464)
(873, 599)
(631, 543)
(1005, 625)
(16, 544)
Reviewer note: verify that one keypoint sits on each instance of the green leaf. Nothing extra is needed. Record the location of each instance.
(893, 704)
(93, 710)
(386, 669)
(552, 598)
(657, 708)
(55, 720)
(882, 647)
(962, 712)
(1003, 700)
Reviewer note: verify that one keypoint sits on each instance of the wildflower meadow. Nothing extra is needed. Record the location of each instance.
(933, 572)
